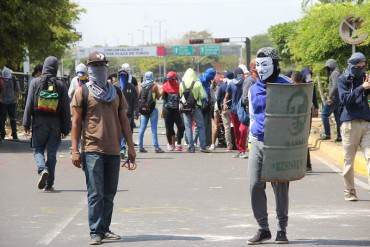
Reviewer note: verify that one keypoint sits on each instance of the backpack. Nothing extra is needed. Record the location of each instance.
(47, 97)
(187, 102)
(243, 115)
(172, 101)
(85, 96)
(146, 101)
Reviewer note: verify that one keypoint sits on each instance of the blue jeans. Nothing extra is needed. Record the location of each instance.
(49, 140)
(198, 118)
(102, 173)
(327, 110)
(144, 123)
(123, 141)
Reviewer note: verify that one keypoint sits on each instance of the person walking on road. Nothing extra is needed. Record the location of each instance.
(8, 103)
(191, 96)
(149, 94)
(354, 94)
(129, 91)
(267, 65)
(131, 79)
(47, 111)
(77, 81)
(234, 93)
(99, 113)
(171, 99)
(332, 105)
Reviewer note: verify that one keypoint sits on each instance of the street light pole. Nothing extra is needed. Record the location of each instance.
(142, 35)
(151, 33)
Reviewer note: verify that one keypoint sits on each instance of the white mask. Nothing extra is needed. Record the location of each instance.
(264, 67)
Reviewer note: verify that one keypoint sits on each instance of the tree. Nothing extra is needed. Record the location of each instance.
(40, 27)
(305, 3)
(281, 35)
(316, 36)
(195, 35)
(259, 41)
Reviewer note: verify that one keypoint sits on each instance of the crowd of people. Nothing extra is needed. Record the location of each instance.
(216, 109)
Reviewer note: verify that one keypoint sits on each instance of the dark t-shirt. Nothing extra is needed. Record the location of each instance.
(134, 81)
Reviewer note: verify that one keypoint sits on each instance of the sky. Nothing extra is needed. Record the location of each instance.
(123, 22)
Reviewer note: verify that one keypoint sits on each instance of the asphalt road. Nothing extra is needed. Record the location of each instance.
(174, 199)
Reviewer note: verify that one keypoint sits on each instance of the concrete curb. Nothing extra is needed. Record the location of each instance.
(335, 152)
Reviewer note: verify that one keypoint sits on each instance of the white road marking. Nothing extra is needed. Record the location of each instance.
(336, 169)
(51, 235)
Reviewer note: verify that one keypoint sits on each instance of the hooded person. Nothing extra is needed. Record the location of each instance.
(267, 66)
(131, 79)
(234, 93)
(8, 102)
(47, 111)
(149, 94)
(207, 105)
(354, 94)
(171, 113)
(191, 89)
(77, 81)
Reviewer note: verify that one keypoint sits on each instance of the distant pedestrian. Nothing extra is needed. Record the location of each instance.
(99, 116)
(207, 103)
(47, 112)
(332, 105)
(267, 65)
(129, 91)
(217, 130)
(171, 112)
(354, 94)
(8, 102)
(77, 81)
(191, 96)
(131, 79)
(234, 93)
(148, 96)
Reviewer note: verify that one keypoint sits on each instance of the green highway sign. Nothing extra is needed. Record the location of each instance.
(210, 50)
(183, 50)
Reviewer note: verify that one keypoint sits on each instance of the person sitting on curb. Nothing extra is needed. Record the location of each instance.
(354, 94)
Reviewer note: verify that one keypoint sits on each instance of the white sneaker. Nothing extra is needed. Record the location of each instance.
(170, 147)
(212, 147)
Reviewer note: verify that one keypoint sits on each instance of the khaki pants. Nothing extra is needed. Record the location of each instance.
(225, 115)
(355, 133)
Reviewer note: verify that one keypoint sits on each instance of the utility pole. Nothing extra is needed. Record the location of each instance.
(151, 33)
(248, 52)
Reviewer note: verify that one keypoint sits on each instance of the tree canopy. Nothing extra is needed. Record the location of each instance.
(40, 27)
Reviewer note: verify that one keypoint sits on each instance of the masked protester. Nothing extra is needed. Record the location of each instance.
(8, 102)
(99, 113)
(332, 105)
(131, 79)
(267, 66)
(48, 113)
(129, 91)
(77, 81)
(354, 94)
(234, 93)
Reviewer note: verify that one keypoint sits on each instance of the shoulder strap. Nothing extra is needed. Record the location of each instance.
(119, 92)
(192, 85)
(85, 96)
(183, 86)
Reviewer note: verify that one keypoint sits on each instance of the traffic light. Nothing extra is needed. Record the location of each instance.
(221, 40)
(196, 41)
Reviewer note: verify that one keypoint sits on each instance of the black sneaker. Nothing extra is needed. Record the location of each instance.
(95, 239)
(42, 180)
(339, 139)
(260, 237)
(158, 150)
(111, 236)
(281, 238)
(142, 150)
(324, 137)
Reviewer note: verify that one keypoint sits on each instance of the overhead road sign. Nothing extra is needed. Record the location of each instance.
(183, 50)
(150, 51)
(210, 50)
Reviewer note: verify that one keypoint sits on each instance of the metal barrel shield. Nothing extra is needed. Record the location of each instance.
(287, 126)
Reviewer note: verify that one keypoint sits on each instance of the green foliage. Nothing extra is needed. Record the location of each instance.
(281, 35)
(317, 37)
(42, 27)
(259, 41)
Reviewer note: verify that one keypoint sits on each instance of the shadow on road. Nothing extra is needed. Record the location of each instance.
(335, 242)
(144, 238)
(24, 146)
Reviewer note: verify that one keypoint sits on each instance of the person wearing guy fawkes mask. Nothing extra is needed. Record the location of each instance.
(267, 66)
(354, 94)
(99, 116)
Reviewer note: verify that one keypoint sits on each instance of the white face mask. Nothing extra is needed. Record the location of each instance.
(264, 67)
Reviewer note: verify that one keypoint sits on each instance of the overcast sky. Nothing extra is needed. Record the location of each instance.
(113, 22)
